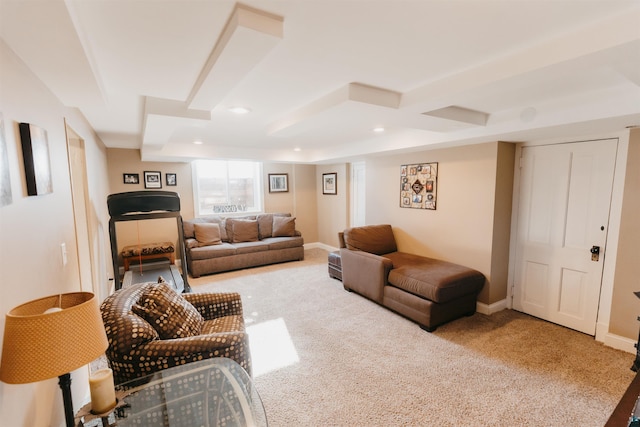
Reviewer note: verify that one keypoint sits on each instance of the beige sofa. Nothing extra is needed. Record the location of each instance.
(214, 243)
(425, 290)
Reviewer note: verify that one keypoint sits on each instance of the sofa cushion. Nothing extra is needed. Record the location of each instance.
(375, 239)
(433, 279)
(229, 225)
(117, 315)
(265, 223)
(214, 251)
(244, 230)
(171, 315)
(188, 227)
(251, 247)
(284, 227)
(276, 243)
(207, 234)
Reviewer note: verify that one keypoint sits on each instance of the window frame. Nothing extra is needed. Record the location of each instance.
(258, 188)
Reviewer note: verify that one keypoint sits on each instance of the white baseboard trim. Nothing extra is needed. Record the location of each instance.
(620, 343)
(318, 245)
(489, 309)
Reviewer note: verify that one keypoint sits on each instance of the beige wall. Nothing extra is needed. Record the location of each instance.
(333, 211)
(123, 161)
(461, 229)
(623, 321)
(33, 228)
(300, 200)
(503, 201)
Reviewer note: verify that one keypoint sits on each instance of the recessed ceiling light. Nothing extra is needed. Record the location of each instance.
(297, 149)
(239, 110)
(378, 129)
(197, 142)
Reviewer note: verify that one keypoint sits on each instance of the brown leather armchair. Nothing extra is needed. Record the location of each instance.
(140, 344)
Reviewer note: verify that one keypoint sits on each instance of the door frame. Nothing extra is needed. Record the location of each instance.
(80, 203)
(613, 231)
(357, 194)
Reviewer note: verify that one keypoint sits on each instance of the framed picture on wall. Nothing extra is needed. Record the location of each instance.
(172, 179)
(419, 186)
(152, 179)
(131, 178)
(35, 154)
(330, 183)
(278, 183)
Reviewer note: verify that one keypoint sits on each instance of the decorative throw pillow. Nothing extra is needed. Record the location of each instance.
(171, 315)
(265, 225)
(245, 230)
(284, 226)
(207, 234)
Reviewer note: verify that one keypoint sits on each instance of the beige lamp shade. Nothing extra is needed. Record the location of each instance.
(38, 345)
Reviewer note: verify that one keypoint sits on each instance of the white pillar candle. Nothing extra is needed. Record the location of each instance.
(103, 392)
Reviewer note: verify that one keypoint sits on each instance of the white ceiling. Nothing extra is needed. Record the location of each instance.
(319, 75)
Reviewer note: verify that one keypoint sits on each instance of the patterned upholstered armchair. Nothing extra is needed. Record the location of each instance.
(150, 327)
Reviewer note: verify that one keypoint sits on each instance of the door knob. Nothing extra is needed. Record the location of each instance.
(595, 253)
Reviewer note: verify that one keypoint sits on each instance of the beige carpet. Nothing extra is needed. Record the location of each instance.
(326, 357)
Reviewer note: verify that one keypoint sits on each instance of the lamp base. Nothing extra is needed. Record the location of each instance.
(64, 381)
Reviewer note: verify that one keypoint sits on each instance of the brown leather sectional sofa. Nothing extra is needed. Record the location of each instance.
(425, 290)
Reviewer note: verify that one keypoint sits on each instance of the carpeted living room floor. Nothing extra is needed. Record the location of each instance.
(325, 357)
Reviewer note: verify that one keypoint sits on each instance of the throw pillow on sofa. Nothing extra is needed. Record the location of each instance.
(207, 234)
(244, 230)
(170, 315)
(284, 226)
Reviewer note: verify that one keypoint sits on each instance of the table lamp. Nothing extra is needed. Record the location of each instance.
(50, 337)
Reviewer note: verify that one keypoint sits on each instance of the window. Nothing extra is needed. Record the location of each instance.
(223, 187)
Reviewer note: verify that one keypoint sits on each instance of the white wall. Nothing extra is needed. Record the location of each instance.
(33, 228)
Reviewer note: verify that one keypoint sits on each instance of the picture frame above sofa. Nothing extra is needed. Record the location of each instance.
(278, 182)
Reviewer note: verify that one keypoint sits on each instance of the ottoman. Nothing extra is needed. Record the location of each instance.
(335, 265)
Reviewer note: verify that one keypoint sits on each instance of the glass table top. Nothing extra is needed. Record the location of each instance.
(211, 392)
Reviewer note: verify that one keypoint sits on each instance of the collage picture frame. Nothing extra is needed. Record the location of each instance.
(419, 186)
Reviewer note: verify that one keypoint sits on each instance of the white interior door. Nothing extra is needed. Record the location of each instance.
(563, 212)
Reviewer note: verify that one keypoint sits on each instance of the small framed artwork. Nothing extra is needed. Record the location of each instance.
(35, 153)
(131, 178)
(171, 178)
(152, 179)
(278, 182)
(330, 183)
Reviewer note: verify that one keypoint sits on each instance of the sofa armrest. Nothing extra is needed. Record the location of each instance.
(190, 243)
(180, 347)
(162, 354)
(215, 304)
(365, 273)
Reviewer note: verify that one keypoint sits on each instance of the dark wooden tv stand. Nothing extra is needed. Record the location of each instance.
(622, 413)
